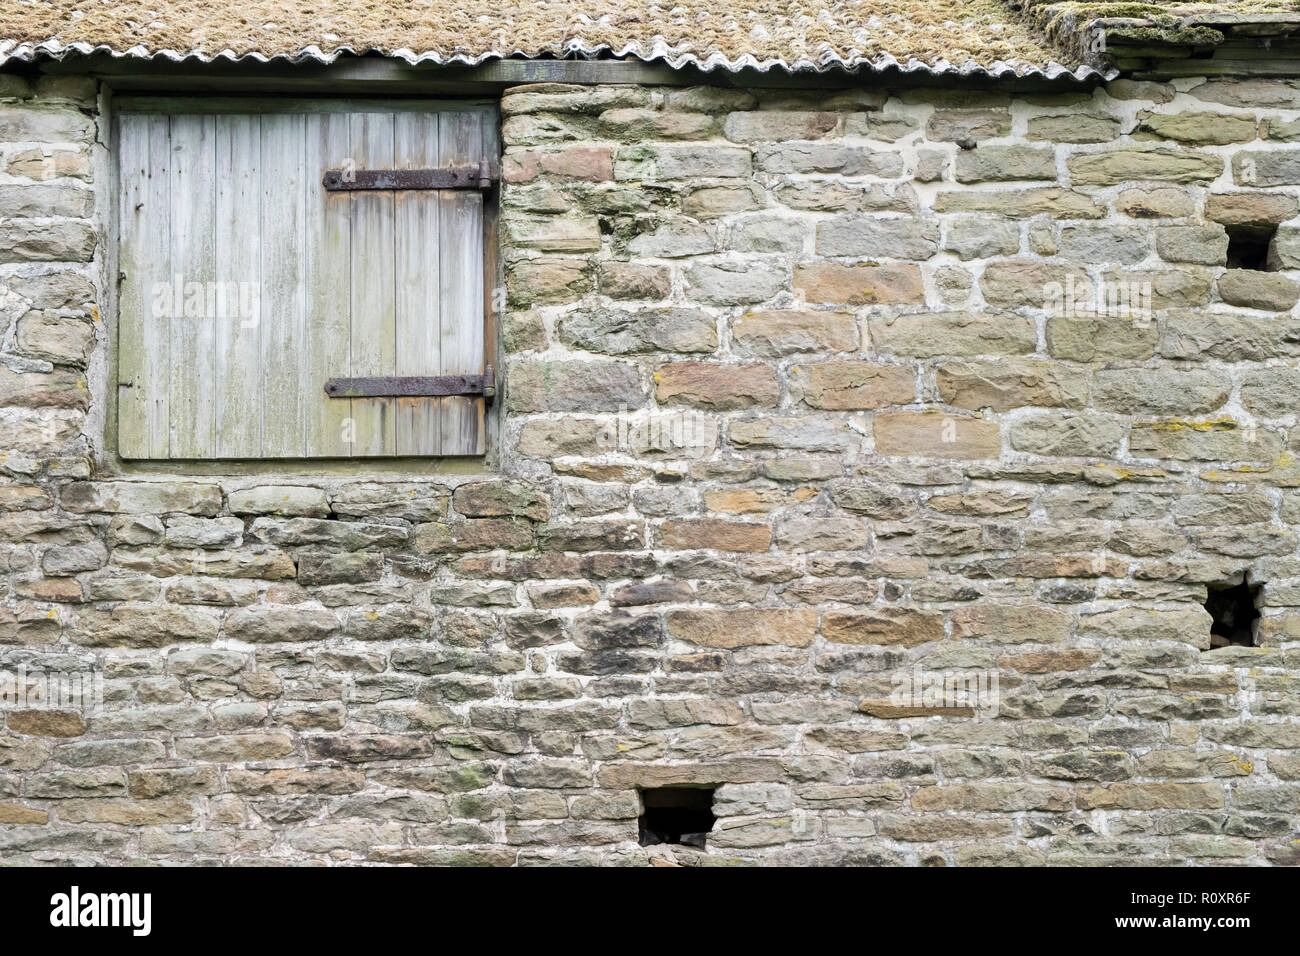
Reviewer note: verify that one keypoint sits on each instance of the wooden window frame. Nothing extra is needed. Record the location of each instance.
(493, 278)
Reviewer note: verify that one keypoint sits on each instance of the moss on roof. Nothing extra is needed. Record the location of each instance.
(1033, 32)
(955, 30)
(1064, 22)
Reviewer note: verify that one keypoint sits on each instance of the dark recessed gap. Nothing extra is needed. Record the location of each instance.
(1234, 609)
(1248, 247)
(681, 815)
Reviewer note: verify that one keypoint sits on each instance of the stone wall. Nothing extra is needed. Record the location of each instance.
(802, 403)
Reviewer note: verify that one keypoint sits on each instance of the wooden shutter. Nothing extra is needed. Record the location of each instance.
(342, 284)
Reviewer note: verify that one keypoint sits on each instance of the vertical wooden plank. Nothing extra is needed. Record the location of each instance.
(461, 283)
(236, 356)
(193, 318)
(493, 282)
(144, 303)
(329, 285)
(135, 317)
(418, 317)
(284, 300)
(373, 339)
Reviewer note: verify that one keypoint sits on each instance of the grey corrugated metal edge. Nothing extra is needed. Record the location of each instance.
(825, 62)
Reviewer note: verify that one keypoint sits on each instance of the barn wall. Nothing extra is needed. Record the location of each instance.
(803, 408)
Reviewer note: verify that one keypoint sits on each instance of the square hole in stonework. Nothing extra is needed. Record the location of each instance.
(1248, 247)
(681, 815)
(1234, 608)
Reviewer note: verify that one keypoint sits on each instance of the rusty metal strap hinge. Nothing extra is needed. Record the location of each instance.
(479, 176)
(414, 386)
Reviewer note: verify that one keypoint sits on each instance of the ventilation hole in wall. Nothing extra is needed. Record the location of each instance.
(1248, 247)
(1234, 608)
(681, 815)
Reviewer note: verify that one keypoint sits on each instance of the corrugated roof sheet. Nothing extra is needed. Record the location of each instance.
(983, 37)
(998, 38)
(659, 52)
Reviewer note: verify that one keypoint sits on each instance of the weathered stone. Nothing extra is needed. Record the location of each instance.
(1090, 338)
(828, 157)
(844, 197)
(1149, 796)
(562, 386)
(777, 126)
(279, 500)
(280, 624)
(633, 125)
(344, 535)
(590, 163)
(349, 568)
(935, 435)
(1248, 92)
(140, 497)
(63, 340)
(1284, 250)
(786, 332)
(831, 282)
(991, 163)
(735, 282)
(1005, 797)
(714, 202)
(1190, 625)
(1095, 244)
(1127, 165)
(1010, 383)
(854, 385)
(973, 237)
(1272, 168)
(413, 501)
(932, 334)
(715, 533)
(766, 234)
(743, 628)
(823, 534)
(1251, 208)
(864, 236)
(709, 385)
(886, 625)
(496, 499)
(1155, 202)
(967, 125)
(235, 748)
(1270, 392)
(681, 162)
(561, 234)
(46, 723)
(1258, 290)
(1196, 129)
(35, 240)
(1160, 391)
(1067, 436)
(676, 239)
(50, 162)
(144, 625)
(1011, 624)
(73, 559)
(1029, 283)
(1203, 245)
(1021, 203)
(632, 280)
(1219, 439)
(1074, 128)
(43, 123)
